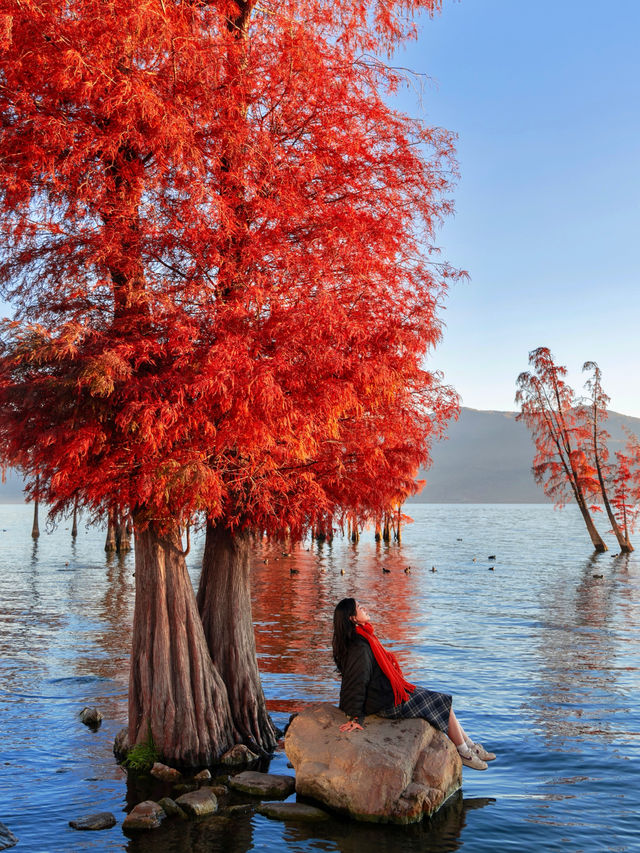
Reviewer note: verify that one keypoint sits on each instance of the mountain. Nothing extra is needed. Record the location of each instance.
(487, 456)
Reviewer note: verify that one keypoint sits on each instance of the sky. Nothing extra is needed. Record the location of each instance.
(544, 99)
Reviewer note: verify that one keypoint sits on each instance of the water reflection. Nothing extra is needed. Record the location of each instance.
(237, 833)
(578, 694)
(440, 834)
(295, 590)
(539, 633)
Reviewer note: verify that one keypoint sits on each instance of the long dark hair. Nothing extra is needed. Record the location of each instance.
(344, 631)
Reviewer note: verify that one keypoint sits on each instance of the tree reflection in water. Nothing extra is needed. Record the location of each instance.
(220, 834)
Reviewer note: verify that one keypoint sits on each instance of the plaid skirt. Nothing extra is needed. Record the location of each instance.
(425, 704)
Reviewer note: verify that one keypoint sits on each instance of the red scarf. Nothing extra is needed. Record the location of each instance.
(387, 663)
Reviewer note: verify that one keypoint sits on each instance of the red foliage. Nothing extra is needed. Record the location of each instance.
(625, 498)
(560, 430)
(220, 251)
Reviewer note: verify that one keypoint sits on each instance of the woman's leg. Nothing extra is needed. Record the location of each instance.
(464, 743)
(455, 731)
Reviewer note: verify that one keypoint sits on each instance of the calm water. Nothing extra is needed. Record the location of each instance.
(541, 656)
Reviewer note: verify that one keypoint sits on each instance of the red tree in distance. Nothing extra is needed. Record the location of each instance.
(595, 412)
(220, 254)
(625, 499)
(561, 436)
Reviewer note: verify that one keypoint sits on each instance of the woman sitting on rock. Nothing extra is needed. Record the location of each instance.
(372, 683)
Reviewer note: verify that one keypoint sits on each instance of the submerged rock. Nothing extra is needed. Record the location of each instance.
(185, 787)
(239, 754)
(218, 790)
(165, 773)
(263, 784)
(198, 803)
(146, 815)
(91, 717)
(292, 811)
(171, 808)
(240, 809)
(101, 820)
(7, 838)
(394, 771)
(121, 745)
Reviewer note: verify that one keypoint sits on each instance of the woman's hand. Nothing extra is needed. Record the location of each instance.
(350, 726)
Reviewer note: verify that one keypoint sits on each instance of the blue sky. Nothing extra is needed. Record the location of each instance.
(544, 98)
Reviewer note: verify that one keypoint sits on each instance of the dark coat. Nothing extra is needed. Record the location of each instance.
(365, 688)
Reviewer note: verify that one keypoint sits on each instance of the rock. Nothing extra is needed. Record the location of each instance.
(185, 787)
(263, 784)
(7, 838)
(239, 754)
(121, 745)
(202, 776)
(240, 809)
(146, 815)
(394, 771)
(101, 820)
(292, 811)
(218, 790)
(171, 808)
(91, 717)
(198, 803)
(165, 773)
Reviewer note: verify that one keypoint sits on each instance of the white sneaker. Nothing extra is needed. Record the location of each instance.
(472, 760)
(483, 753)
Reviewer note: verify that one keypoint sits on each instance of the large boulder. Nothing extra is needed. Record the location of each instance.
(394, 771)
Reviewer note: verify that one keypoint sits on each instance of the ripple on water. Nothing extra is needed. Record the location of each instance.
(540, 656)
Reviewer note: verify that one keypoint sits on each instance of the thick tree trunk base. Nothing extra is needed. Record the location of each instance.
(111, 544)
(176, 696)
(224, 601)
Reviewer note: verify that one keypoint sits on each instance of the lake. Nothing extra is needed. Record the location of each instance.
(541, 655)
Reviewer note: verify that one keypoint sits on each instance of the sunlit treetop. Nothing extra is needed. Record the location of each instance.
(221, 257)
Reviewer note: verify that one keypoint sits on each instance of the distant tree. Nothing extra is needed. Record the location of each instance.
(595, 412)
(561, 435)
(625, 498)
(219, 246)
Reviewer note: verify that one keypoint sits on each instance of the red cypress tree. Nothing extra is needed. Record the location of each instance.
(221, 257)
(595, 412)
(625, 498)
(561, 434)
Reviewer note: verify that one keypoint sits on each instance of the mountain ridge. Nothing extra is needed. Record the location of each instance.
(485, 458)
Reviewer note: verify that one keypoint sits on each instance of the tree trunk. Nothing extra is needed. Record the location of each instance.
(598, 541)
(224, 601)
(355, 530)
(175, 692)
(378, 533)
(623, 538)
(35, 529)
(123, 535)
(386, 529)
(74, 526)
(111, 543)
